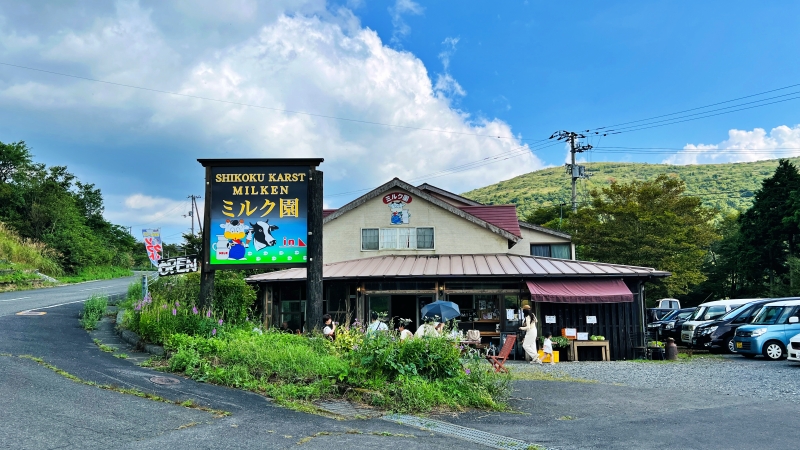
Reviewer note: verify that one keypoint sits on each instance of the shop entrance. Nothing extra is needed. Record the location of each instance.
(405, 307)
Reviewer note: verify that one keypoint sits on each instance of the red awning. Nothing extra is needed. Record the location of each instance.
(580, 291)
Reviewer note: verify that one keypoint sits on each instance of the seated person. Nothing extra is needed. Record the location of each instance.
(404, 334)
(329, 330)
(376, 325)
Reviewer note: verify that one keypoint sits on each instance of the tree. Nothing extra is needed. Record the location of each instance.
(15, 159)
(769, 230)
(648, 223)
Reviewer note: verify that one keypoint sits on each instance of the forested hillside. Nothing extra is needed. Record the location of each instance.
(722, 186)
(50, 211)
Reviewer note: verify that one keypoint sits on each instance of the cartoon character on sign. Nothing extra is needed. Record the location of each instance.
(399, 215)
(234, 233)
(397, 201)
(262, 234)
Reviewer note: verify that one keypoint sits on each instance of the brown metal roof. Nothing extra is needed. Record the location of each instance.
(491, 265)
(503, 216)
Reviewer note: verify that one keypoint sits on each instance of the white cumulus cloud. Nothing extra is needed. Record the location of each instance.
(743, 146)
(321, 62)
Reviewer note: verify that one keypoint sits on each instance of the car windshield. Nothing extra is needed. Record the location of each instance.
(684, 315)
(670, 316)
(708, 312)
(768, 315)
(732, 314)
(698, 312)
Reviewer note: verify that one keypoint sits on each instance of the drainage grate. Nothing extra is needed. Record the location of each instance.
(165, 381)
(467, 434)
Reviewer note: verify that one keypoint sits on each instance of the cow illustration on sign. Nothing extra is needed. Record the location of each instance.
(397, 202)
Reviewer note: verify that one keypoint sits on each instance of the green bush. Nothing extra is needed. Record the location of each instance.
(93, 310)
(171, 307)
(431, 358)
(412, 376)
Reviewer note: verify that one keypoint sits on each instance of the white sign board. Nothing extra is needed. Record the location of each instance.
(591, 319)
(549, 319)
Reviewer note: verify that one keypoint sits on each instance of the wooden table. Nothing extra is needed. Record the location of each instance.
(574, 344)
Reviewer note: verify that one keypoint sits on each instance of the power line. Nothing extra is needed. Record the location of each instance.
(646, 127)
(250, 105)
(694, 109)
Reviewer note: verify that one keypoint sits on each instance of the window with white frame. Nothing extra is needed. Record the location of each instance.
(421, 238)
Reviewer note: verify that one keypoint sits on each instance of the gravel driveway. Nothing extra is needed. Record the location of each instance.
(727, 375)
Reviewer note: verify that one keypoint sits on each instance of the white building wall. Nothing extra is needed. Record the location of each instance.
(452, 234)
(529, 237)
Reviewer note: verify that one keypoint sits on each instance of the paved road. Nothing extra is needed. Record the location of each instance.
(14, 302)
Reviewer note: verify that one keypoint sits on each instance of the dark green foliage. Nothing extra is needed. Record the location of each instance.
(50, 205)
(428, 358)
(651, 224)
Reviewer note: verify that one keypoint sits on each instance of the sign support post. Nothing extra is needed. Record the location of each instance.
(263, 214)
(314, 267)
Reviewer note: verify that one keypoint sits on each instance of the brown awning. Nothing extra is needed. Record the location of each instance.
(580, 291)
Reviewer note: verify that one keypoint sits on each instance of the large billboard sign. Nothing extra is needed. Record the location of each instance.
(256, 213)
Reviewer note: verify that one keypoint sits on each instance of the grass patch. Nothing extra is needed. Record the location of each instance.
(566, 418)
(128, 391)
(93, 310)
(683, 358)
(20, 254)
(416, 376)
(97, 273)
(121, 355)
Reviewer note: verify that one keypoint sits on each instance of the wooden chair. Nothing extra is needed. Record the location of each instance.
(499, 360)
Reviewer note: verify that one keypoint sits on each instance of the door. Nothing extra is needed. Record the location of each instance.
(404, 307)
(422, 300)
(791, 329)
(293, 312)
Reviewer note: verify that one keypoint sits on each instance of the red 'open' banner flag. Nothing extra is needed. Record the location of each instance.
(152, 243)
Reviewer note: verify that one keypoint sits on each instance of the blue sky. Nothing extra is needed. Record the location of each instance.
(520, 70)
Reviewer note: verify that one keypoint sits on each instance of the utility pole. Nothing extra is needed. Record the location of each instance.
(192, 210)
(573, 169)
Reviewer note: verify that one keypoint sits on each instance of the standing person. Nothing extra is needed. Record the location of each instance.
(329, 331)
(529, 345)
(547, 347)
(404, 334)
(375, 325)
(427, 329)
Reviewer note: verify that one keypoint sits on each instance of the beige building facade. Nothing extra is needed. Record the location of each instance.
(406, 220)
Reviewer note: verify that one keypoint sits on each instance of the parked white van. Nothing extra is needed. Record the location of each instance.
(706, 313)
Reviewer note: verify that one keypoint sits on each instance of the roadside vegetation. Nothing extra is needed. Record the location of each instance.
(220, 345)
(93, 310)
(53, 223)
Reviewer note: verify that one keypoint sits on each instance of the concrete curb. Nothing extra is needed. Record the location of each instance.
(133, 339)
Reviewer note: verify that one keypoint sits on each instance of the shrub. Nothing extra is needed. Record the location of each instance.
(431, 357)
(171, 307)
(93, 310)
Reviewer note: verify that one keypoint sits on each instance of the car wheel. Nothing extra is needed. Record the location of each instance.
(774, 350)
(730, 345)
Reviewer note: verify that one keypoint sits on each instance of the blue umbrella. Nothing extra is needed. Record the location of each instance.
(444, 310)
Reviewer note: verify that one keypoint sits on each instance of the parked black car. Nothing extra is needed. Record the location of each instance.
(718, 335)
(671, 325)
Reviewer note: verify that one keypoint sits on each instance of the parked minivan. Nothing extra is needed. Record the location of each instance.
(707, 312)
(718, 334)
(769, 332)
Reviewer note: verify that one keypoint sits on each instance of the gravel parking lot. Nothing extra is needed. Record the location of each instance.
(727, 375)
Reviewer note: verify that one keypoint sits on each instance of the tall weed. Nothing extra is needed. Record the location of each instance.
(28, 253)
(93, 310)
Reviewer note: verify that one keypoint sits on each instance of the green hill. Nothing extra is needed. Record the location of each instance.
(722, 186)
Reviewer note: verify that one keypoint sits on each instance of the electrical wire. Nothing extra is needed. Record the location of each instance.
(695, 109)
(249, 105)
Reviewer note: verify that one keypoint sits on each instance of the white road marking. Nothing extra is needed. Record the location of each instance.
(53, 306)
(94, 289)
(14, 299)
